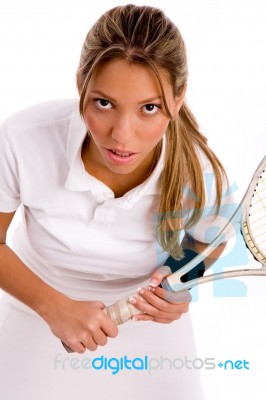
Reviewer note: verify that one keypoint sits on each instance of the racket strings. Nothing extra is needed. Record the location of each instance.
(255, 230)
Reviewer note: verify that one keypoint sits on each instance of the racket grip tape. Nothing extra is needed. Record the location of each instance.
(122, 310)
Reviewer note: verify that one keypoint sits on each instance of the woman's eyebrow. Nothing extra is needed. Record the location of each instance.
(106, 96)
(102, 94)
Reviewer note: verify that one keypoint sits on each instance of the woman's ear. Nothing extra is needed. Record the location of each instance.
(179, 100)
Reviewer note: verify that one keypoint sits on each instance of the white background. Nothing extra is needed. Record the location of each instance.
(40, 43)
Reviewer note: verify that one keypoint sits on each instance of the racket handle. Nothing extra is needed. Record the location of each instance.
(122, 310)
(119, 312)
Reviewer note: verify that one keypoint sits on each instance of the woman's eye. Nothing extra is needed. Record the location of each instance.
(103, 104)
(151, 109)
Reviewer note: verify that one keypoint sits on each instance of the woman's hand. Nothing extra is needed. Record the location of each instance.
(160, 305)
(80, 325)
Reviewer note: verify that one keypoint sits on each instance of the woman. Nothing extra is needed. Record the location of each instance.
(106, 187)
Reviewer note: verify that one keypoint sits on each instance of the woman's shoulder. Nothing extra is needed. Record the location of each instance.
(48, 112)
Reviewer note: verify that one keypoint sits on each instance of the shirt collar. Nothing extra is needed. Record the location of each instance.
(77, 176)
(151, 186)
(79, 180)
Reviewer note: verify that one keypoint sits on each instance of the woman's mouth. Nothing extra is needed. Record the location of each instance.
(120, 157)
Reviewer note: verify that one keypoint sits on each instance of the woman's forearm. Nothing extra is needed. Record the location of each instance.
(79, 324)
(19, 281)
(196, 246)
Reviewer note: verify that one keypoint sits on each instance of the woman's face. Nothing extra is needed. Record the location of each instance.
(125, 116)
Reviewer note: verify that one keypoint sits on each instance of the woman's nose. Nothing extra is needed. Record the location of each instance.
(123, 128)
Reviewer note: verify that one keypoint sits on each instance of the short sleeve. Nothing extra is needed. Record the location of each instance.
(9, 183)
(211, 221)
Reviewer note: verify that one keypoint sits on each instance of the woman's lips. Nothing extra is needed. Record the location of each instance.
(120, 157)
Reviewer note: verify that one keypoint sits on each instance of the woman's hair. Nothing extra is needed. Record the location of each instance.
(144, 35)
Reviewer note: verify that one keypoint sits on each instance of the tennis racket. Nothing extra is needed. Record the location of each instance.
(250, 214)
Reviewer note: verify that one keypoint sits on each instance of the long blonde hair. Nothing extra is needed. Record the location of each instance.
(144, 35)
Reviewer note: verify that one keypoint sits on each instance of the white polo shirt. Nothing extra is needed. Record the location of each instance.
(74, 233)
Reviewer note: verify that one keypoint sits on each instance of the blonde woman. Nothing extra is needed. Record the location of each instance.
(106, 186)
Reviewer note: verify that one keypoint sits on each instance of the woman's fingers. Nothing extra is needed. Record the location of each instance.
(159, 274)
(82, 325)
(156, 308)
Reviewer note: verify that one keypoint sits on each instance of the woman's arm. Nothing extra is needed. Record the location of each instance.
(189, 243)
(79, 324)
(17, 279)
